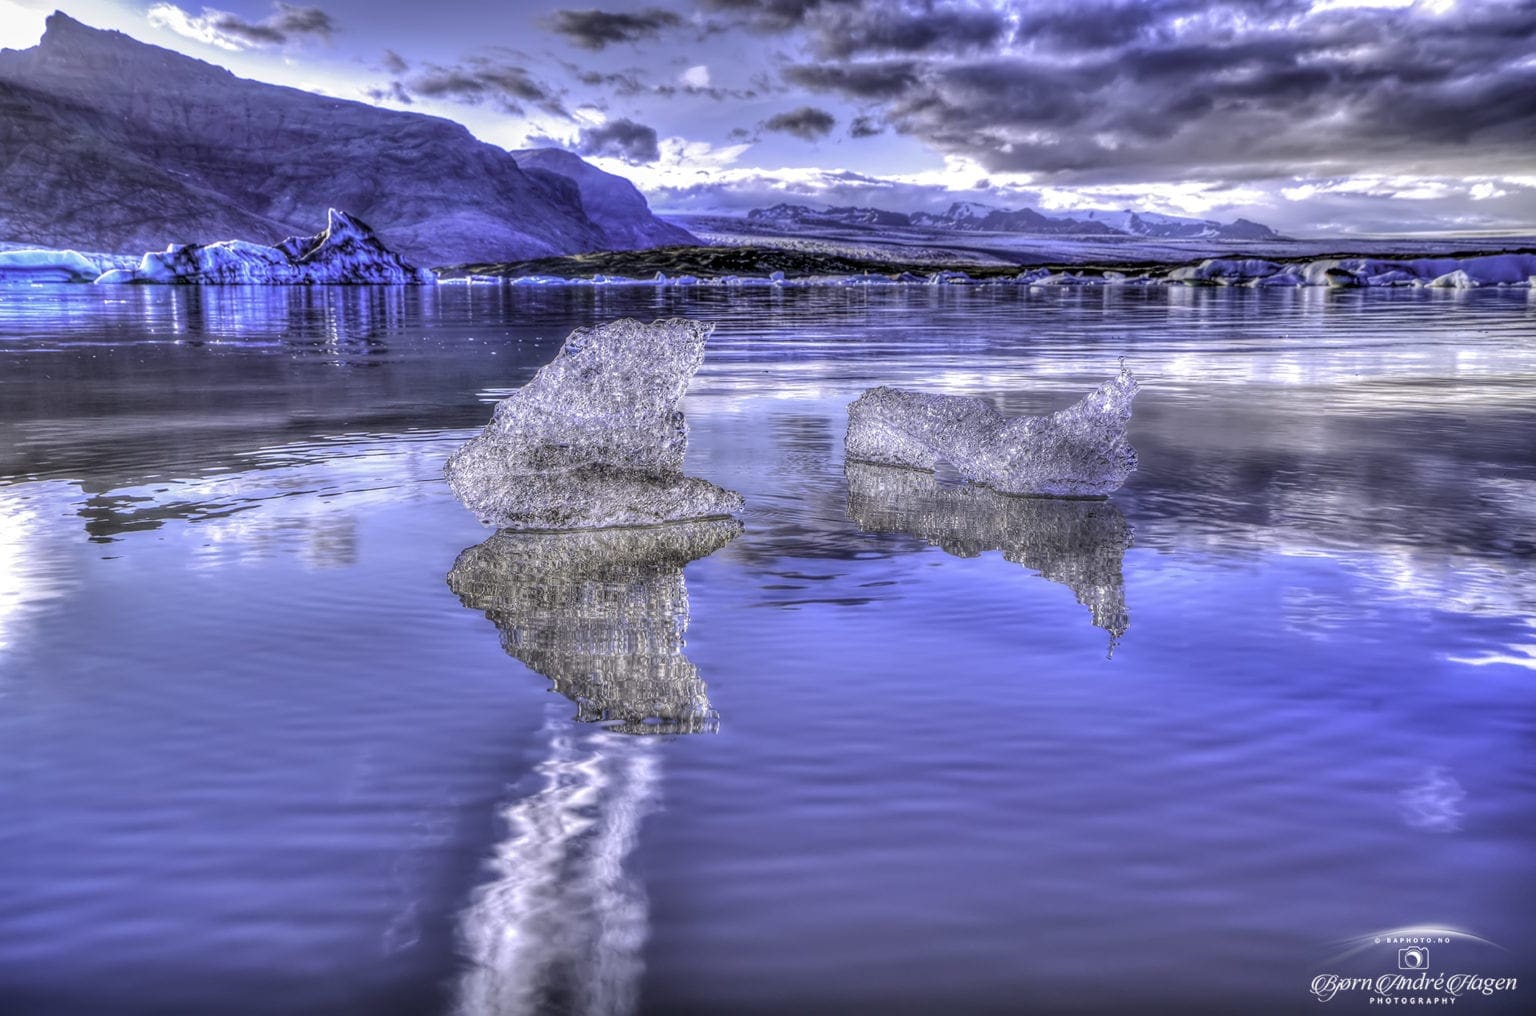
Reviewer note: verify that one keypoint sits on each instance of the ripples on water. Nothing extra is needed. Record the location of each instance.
(281, 724)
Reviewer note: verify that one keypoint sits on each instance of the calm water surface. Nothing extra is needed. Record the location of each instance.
(284, 730)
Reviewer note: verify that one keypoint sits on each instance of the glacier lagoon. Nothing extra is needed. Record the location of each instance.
(275, 730)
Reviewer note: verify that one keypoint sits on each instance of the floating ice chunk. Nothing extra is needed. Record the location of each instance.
(1279, 279)
(1459, 279)
(345, 252)
(950, 278)
(1458, 273)
(595, 439)
(1067, 279)
(1500, 269)
(542, 280)
(55, 265)
(471, 280)
(1224, 271)
(1080, 544)
(1393, 277)
(1080, 451)
(602, 615)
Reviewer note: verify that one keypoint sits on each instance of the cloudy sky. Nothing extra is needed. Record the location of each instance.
(1313, 116)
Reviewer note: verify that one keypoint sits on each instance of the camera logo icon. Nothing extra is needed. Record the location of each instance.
(1413, 958)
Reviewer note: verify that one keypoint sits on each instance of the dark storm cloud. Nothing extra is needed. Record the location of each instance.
(864, 127)
(620, 139)
(772, 15)
(286, 25)
(474, 82)
(392, 92)
(628, 82)
(395, 63)
(807, 122)
(884, 80)
(625, 82)
(707, 91)
(1096, 90)
(594, 29)
(846, 30)
(841, 28)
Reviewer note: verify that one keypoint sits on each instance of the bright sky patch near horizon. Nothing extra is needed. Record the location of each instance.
(1312, 116)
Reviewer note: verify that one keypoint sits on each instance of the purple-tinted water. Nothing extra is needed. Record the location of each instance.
(261, 752)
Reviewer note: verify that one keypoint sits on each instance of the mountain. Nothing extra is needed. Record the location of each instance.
(1173, 226)
(613, 204)
(114, 145)
(970, 217)
(959, 211)
(1027, 220)
(1090, 222)
(846, 216)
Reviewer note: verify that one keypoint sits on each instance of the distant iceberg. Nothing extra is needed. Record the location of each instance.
(345, 252)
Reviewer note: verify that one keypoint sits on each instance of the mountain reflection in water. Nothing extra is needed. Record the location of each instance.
(1078, 543)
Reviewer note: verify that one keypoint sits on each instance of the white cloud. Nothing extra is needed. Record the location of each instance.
(695, 77)
(683, 163)
(199, 29)
(20, 27)
(288, 23)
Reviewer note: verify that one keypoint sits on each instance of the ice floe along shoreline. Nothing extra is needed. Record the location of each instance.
(346, 252)
(1514, 269)
(30, 265)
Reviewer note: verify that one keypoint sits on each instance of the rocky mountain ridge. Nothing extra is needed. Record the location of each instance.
(111, 144)
(965, 216)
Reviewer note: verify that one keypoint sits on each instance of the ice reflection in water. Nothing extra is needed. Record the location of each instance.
(602, 614)
(1078, 543)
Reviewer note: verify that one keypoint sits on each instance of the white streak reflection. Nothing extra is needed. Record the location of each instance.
(1433, 804)
(35, 562)
(561, 926)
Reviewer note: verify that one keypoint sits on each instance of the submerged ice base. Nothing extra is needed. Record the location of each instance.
(1080, 451)
(595, 439)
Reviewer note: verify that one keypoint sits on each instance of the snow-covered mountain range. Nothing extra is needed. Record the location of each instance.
(109, 144)
(968, 216)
